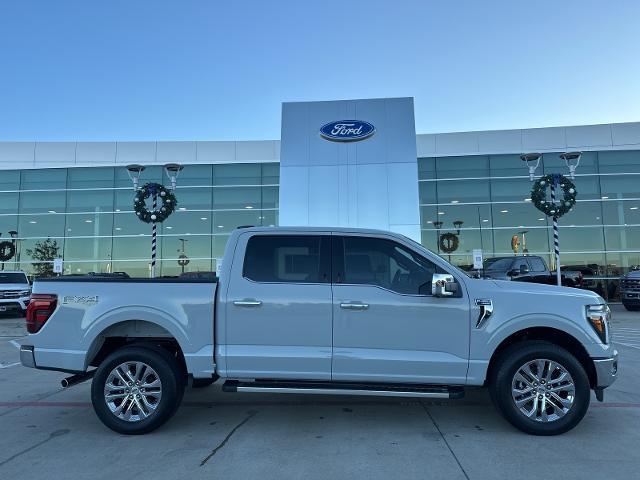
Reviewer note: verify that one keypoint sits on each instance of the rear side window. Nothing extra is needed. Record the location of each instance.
(287, 259)
(537, 265)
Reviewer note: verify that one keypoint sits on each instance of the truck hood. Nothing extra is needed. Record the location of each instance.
(538, 288)
(14, 286)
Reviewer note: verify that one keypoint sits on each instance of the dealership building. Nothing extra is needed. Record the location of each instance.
(353, 163)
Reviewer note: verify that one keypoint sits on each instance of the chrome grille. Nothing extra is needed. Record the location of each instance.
(630, 285)
(9, 294)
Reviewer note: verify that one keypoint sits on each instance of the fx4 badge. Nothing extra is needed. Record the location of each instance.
(80, 299)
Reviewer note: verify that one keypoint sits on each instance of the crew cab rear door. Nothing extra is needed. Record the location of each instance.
(279, 307)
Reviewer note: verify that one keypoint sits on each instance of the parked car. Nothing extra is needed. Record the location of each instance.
(15, 291)
(630, 290)
(324, 311)
(529, 268)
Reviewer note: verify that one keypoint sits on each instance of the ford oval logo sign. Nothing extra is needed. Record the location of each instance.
(347, 130)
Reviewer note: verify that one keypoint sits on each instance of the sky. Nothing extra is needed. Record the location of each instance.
(220, 70)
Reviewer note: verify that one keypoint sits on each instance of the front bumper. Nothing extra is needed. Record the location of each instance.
(606, 370)
(14, 304)
(26, 356)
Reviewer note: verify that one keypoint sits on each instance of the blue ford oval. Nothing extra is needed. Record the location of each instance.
(347, 130)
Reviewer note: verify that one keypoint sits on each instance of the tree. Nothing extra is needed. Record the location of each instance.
(44, 251)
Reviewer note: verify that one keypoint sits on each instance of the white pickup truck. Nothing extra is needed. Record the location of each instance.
(324, 311)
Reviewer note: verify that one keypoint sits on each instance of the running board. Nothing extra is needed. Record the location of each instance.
(343, 388)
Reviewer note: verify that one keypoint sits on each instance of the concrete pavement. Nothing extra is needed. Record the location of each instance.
(47, 432)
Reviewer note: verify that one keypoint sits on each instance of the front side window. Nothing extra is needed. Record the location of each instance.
(286, 259)
(387, 264)
(537, 265)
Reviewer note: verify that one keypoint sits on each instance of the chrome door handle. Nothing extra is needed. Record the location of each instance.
(354, 306)
(247, 303)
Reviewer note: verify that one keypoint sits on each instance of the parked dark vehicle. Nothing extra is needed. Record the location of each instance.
(530, 268)
(630, 290)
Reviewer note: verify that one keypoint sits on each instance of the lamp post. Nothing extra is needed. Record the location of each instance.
(14, 239)
(571, 160)
(173, 170)
(134, 171)
(183, 260)
(458, 224)
(437, 225)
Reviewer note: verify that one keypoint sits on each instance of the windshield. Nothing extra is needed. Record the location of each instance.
(498, 264)
(13, 278)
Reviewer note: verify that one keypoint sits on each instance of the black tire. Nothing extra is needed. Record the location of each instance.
(169, 374)
(202, 382)
(505, 369)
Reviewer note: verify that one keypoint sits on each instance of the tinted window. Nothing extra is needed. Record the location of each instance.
(498, 264)
(520, 262)
(537, 265)
(13, 278)
(286, 258)
(385, 263)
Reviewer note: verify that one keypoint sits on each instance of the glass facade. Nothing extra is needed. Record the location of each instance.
(489, 194)
(89, 213)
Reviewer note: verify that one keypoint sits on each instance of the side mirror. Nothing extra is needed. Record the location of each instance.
(443, 285)
(524, 269)
(513, 272)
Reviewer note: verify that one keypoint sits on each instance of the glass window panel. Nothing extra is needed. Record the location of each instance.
(552, 163)
(580, 239)
(426, 168)
(141, 269)
(508, 166)
(619, 212)
(219, 244)
(90, 201)
(237, 174)
(41, 226)
(88, 224)
(622, 238)
(92, 249)
(187, 222)
(427, 192)
(9, 203)
(240, 197)
(619, 162)
(270, 173)
(190, 199)
(191, 175)
(8, 223)
(517, 215)
(535, 241)
(270, 197)
(90, 177)
(462, 167)
(41, 202)
(619, 186)
(134, 248)
(153, 173)
(126, 223)
(225, 222)
(269, 218)
(510, 189)
(195, 247)
(30, 244)
(462, 191)
(10, 180)
(170, 268)
(43, 179)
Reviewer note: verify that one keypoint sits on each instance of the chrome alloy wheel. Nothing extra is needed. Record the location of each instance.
(133, 391)
(543, 390)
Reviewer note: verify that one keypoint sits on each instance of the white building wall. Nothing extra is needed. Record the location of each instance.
(369, 183)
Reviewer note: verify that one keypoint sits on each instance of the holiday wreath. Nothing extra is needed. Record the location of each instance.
(563, 205)
(167, 205)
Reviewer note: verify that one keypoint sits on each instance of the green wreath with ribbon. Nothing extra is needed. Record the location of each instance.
(7, 251)
(565, 203)
(449, 242)
(166, 207)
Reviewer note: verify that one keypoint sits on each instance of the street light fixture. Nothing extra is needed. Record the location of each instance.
(458, 224)
(134, 171)
(173, 170)
(532, 160)
(572, 160)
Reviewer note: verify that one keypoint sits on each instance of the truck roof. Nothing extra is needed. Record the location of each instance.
(317, 229)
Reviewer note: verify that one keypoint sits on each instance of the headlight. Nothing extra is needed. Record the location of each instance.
(25, 293)
(598, 316)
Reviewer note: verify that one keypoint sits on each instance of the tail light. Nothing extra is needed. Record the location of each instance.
(40, 308)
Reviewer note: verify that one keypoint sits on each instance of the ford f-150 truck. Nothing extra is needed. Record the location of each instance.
(324, 311)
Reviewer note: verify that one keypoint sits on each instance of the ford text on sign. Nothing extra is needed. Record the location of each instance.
(347, 130)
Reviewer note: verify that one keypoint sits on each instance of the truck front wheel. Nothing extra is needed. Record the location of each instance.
(540, 388)
(136, 389)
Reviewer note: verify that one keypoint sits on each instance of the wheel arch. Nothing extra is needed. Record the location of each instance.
(547, 334)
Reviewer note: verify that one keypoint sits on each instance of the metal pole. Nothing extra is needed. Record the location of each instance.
(154, 229)
(556, 240)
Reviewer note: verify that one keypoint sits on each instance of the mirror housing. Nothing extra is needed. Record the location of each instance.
(524, 269)
(443, 285)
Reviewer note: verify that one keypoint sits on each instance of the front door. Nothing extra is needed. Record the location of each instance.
(279, 307)
(387, 325)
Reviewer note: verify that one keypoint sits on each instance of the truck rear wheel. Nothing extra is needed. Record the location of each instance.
(540, 388)
(136, 389)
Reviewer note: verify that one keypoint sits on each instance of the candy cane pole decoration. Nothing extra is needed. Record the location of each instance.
(556, 239)
(154, 229)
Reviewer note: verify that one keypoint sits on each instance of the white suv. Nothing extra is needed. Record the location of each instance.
(15, 292)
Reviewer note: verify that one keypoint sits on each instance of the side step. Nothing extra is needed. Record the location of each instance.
(345, 388)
